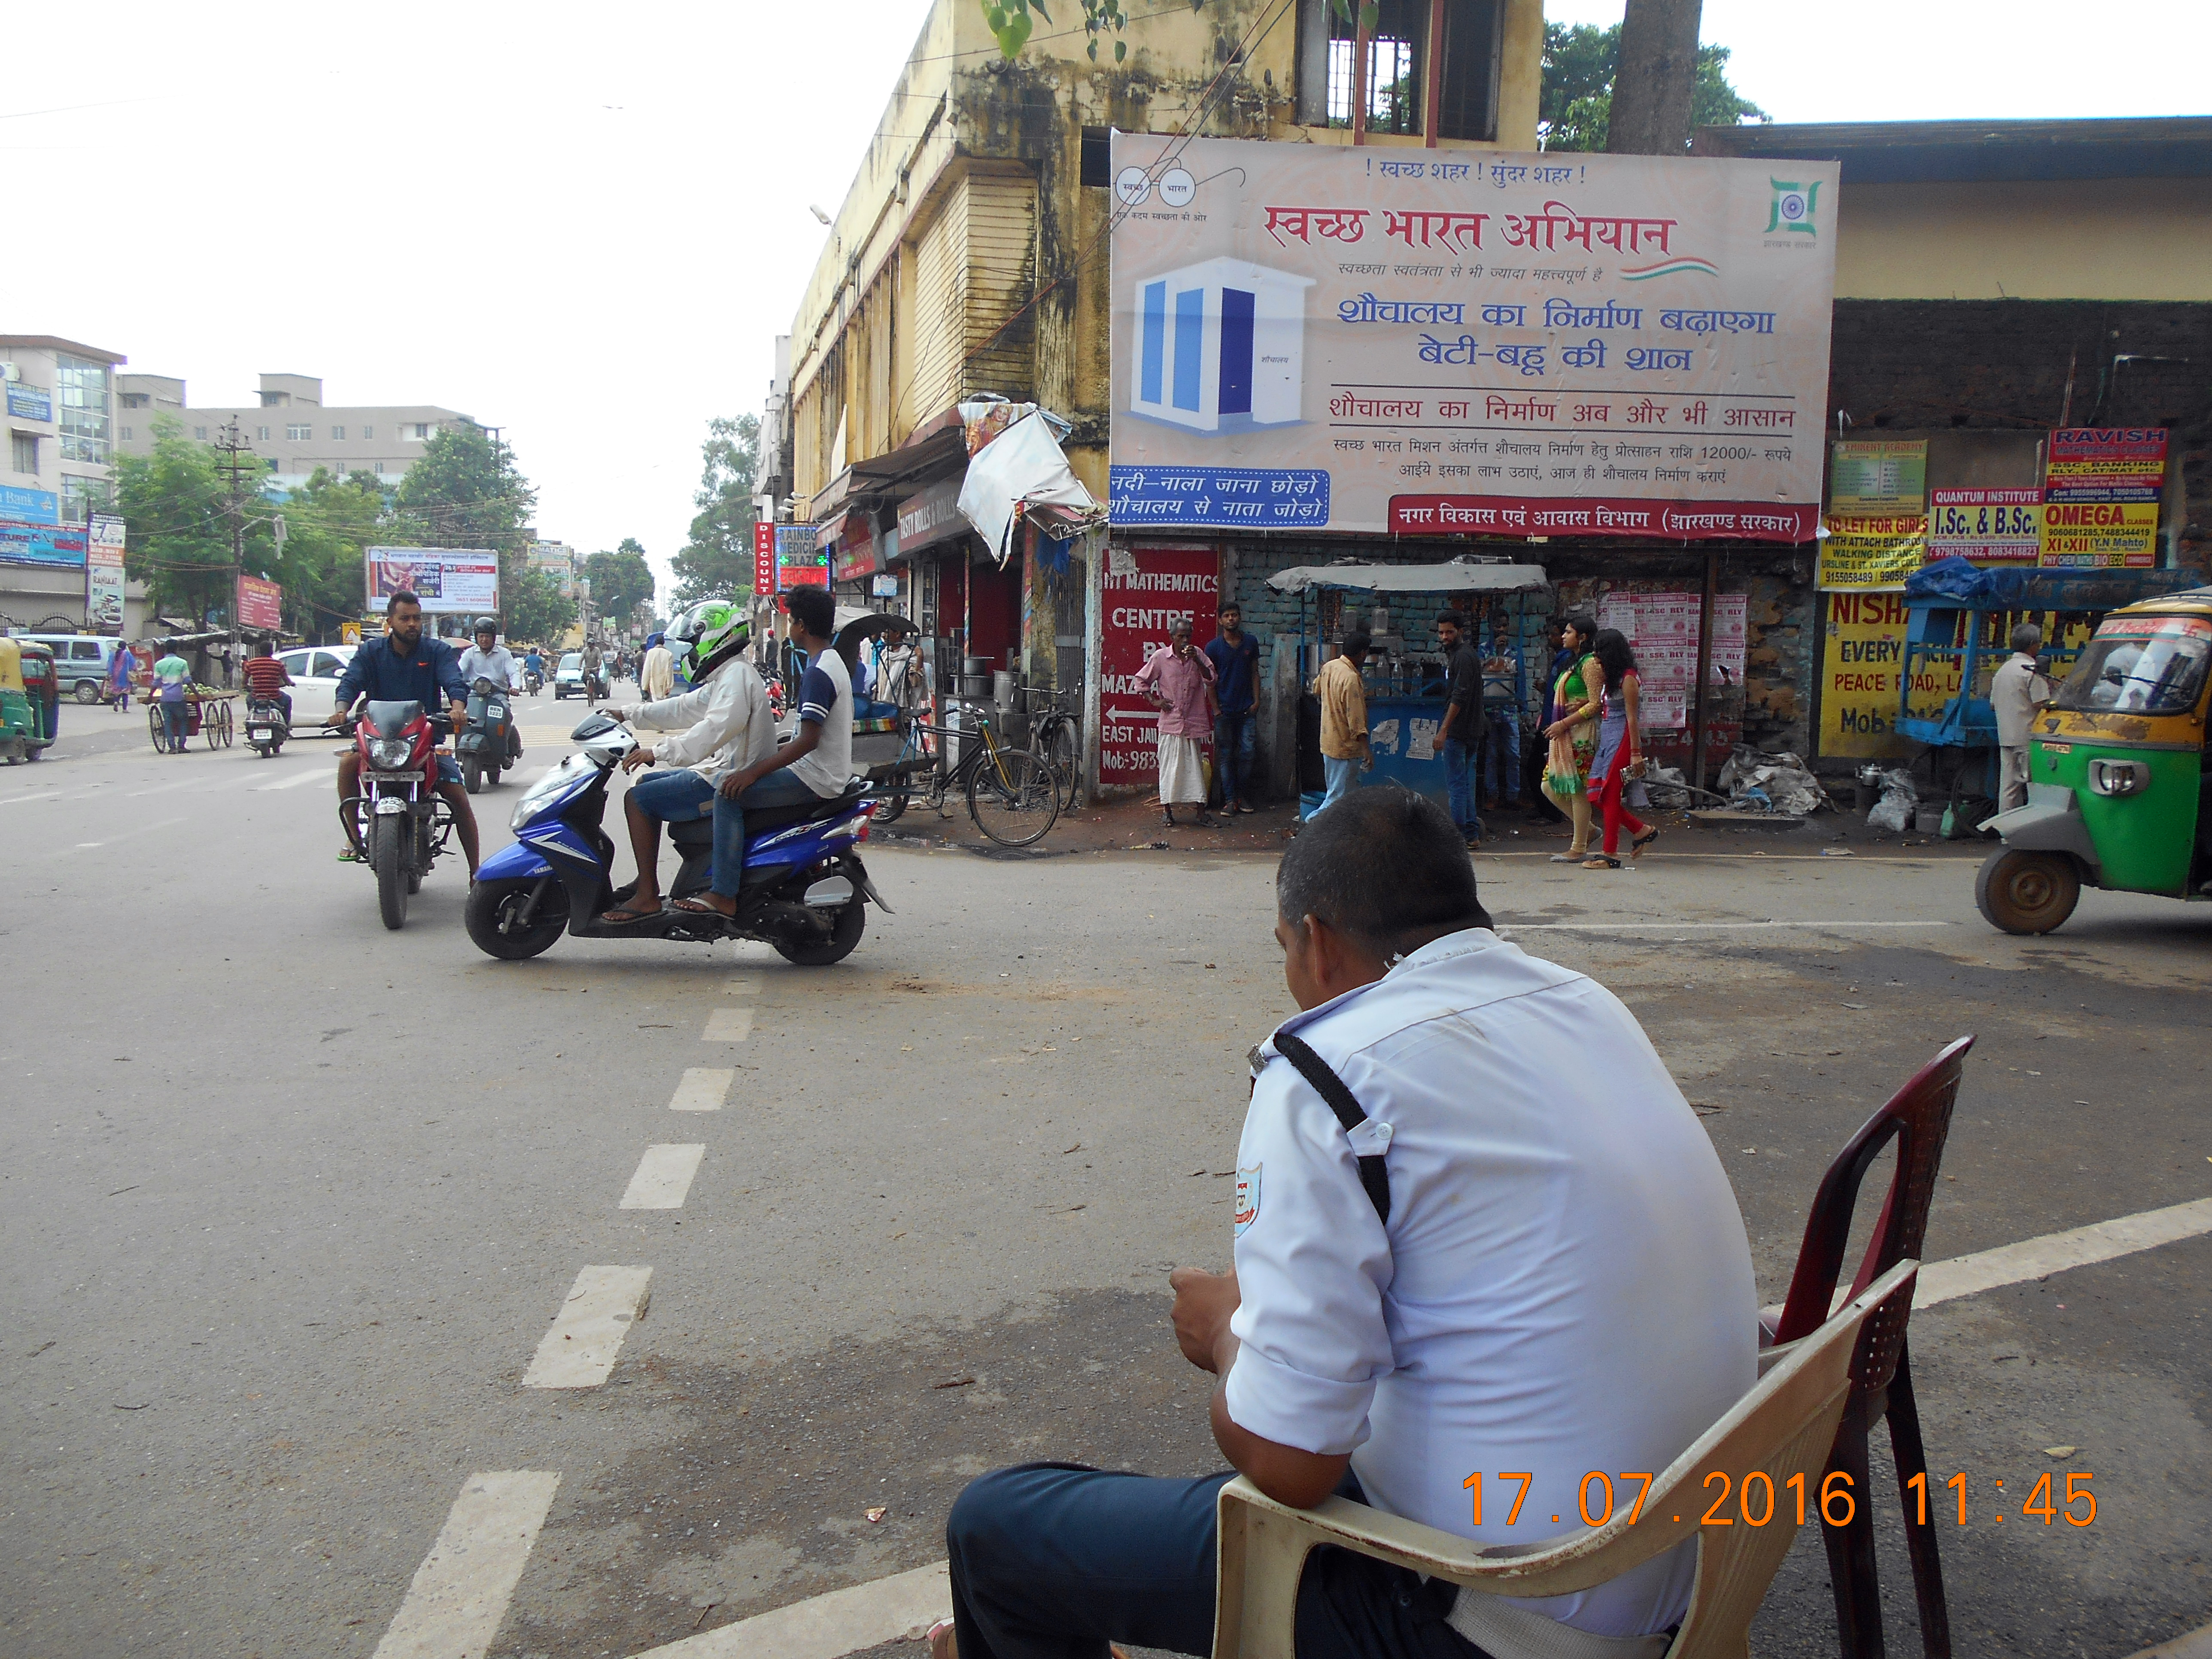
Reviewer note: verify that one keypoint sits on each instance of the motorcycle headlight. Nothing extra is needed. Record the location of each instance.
(388, 753)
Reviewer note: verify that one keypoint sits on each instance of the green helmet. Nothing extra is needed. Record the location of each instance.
(707, 635)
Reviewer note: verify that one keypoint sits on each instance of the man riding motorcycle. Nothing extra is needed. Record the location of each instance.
(492, 661)
(407, 666)
(534, 666)
(724, 725)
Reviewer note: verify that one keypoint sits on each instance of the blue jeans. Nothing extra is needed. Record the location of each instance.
(1053, 1560)
(779, 788)
(1342, 774)
(1501, 766)
(679, 797)
(1235, 738)
(1458, 760)
(176, 721)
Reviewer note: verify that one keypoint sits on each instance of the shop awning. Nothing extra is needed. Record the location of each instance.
(1412, 577)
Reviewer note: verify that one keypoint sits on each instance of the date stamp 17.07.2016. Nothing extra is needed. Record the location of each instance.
(1755, 1500)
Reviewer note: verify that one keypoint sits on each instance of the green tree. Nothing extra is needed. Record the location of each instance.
(328, 521)
(1576, 104)
(718, 558)
(619, 580)
(178, 539)
(465, 490)
(531, 608)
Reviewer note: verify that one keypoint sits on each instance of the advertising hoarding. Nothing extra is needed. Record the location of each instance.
(29, 403)
(1878, 478)
(103, 573)
(1988, 526)
(800, 559)
(1871, 554)
(763, 556)
(449, 581)
(2105, 463)
(1141, 594)
(1314, 336)
(261, 604)
(2100, 534)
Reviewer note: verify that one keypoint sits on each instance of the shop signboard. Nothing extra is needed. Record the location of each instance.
(50, 546)
(800, 560)
(449, 581)
(1988, 527)
(931, 517)
(1872, 555)
(261, 604)
(860, 553)
(1138, 604)
(1878, 478)
(30, 403)
(763, 556)
(2100, 534)
(2105, 463)
(1310, 336)
(1862, 654)
(103, 573)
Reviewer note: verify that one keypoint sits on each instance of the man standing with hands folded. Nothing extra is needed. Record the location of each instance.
(1444, 1263)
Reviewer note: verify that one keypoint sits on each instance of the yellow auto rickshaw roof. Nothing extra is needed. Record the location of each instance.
(2190, 602)
(11, 666)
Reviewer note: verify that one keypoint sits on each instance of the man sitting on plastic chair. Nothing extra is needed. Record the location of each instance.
(1478, 1232)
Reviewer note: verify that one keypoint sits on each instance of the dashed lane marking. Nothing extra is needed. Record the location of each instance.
(742, 987)
(2078, 1247)
(663, 1178)
(17, 800)
(587, 1332)
(729, 1026)
(827, 1626)
(460, 1592)
(703, 1088)
(308, 777)
(121, 835)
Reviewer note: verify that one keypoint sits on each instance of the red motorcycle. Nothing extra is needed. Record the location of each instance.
(399, 824)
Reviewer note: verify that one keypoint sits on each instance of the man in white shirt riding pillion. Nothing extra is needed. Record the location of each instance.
(1477, 1228)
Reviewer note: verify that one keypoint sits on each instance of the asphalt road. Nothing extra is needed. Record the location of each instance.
(289, 1203)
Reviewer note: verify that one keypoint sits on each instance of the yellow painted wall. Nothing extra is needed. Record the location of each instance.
(2089, 239)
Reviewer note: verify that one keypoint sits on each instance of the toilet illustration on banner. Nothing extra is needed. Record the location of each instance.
(1220, 346)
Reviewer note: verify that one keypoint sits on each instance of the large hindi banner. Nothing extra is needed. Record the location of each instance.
(1453, 341)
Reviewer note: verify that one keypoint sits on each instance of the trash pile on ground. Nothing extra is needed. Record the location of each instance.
(1894, 812)
(1755, 781)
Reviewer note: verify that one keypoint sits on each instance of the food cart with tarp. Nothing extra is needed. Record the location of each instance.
(1405, 686)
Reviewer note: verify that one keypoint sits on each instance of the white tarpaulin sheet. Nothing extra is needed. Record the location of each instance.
(1023, 470)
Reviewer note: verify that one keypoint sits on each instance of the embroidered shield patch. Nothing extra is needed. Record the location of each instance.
(1248, 1198)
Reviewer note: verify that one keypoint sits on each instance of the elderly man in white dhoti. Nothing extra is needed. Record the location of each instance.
(1178, 680)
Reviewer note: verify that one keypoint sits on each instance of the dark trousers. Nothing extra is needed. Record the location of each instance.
(1054, 1560)
(1236, 737)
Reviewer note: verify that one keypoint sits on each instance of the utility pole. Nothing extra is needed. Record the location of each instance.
(236, 460)
(1656, 79)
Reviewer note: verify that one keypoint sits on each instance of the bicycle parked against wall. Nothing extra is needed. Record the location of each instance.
(1013, 794)
(1053, 728)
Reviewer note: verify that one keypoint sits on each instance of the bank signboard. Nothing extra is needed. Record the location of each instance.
(1439, 342)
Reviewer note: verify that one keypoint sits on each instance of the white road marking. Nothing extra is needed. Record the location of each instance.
(164, 789)
(2078, 1247)
(587, 1335)
(663, 1176)
(142, 829)
(703, 1088)
(1507, 928)
(742, 986)
(461, 1590)
(827, 1626)
(729, 1026)
(308, 777)
(12, 800)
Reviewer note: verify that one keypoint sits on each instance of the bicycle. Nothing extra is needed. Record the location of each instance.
(1013, 794)
(1053, 735)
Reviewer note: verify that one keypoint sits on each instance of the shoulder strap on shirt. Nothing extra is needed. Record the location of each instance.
(1374, 1175)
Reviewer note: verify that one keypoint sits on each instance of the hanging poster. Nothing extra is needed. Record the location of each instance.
(103, 573)
(1138, 605)
(2105, 463)
(1988, 526)
(1872, 554)
(1310, 336)
(1662, 628)
(2100, 534)
(1878, 478)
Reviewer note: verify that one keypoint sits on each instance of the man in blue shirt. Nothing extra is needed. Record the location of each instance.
(406, 666)
(1236, 658)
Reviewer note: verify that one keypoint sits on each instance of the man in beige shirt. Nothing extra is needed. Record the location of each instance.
(1344, 747)
(2018, 692)
(657, 678)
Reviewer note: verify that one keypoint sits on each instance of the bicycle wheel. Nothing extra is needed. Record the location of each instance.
(1059, 750)
(888, 809)
(1013, 795)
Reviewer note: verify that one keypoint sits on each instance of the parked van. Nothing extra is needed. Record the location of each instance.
(82, 661)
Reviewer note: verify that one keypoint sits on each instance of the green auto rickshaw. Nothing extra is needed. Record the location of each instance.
(2118, 793)
(23, 733)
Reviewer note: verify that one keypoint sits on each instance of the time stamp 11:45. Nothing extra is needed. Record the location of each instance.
(1755, 1501)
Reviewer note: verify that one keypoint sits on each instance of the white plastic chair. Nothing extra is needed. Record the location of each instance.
(1783, 1427)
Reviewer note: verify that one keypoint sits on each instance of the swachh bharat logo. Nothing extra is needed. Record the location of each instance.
(1793, 206)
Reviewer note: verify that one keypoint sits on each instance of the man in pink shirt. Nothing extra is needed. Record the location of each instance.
(1178, 680)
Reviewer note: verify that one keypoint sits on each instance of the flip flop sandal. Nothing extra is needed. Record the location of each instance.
(1566, 858)
(1601, 861)
(1636, 847)
(695, 907)
(622, 916)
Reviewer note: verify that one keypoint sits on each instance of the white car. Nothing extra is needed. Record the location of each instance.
(570, 676)
(314, 670)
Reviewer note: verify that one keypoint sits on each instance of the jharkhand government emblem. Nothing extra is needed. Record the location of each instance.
(1793, 206)
(1247, 1197)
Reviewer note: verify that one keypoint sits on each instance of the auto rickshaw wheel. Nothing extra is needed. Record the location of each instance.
(2021, 892)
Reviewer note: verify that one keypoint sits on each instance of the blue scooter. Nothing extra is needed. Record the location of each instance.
(805, 890)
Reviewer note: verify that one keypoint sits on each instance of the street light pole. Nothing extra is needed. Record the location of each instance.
(231, 446)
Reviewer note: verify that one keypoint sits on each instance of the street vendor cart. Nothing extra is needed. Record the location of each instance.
(1396, 604)
(209, 716)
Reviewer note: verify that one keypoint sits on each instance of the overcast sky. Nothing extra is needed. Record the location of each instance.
(585, 226)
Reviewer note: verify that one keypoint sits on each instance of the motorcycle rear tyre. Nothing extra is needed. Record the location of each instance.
(387, 857)
(844, 938)
(487, 899)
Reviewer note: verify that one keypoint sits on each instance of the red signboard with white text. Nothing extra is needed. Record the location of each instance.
(261, 604)
(763, 558)
(1143, 590)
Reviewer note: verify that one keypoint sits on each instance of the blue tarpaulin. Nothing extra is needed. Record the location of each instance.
(1958, 583)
